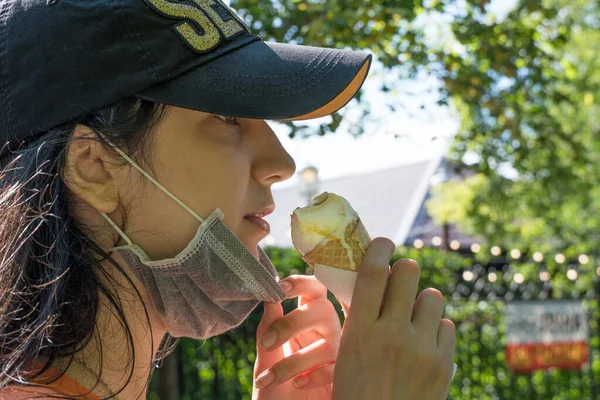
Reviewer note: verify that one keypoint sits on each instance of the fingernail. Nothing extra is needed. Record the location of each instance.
(268, 340)
(285, 286)
(264, 379)
(301, 381)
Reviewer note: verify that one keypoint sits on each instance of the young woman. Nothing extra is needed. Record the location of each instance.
(135, 178)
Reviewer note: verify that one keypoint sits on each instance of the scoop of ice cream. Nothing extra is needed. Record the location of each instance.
(332, 239)
(324, 219)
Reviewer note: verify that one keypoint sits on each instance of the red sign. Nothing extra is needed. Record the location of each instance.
(544, 335)
(531, 357)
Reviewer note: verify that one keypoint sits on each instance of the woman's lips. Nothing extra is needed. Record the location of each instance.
(261, 223)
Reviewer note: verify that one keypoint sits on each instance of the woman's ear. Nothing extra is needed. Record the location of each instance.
(91, 172)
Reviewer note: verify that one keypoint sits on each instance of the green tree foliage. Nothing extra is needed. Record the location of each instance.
(448, 201)
(543, 127)
(526, 87)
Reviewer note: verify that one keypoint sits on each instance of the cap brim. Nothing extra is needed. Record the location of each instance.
(267, 80)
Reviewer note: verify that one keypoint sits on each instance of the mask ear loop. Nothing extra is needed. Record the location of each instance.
(116, 228)
(151, 179)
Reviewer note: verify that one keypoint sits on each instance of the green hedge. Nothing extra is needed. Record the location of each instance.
(221, 368)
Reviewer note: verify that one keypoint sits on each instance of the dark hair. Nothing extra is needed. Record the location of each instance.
(51, 272)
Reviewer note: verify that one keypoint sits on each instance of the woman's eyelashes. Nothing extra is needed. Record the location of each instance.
(227, 119)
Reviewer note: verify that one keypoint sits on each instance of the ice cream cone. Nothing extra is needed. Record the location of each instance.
(346, 254)
(332, 239)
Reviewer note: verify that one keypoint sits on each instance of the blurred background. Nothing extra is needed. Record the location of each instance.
(474, 145)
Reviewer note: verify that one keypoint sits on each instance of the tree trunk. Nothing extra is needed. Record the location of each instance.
(446, 236)
(168, 384)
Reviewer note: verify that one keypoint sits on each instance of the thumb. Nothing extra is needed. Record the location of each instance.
(345, 308)
(266, 359)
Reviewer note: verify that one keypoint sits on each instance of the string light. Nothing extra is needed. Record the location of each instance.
(496, 251)
(475, 248)
(515, 253)
(583, 259)
(468, 276)
(559, 258)
(492, 277)
(519, 278)
(436, 241)
(455, 245)
(544, 276)
(572, 274)
(418, 243)
(538, 257)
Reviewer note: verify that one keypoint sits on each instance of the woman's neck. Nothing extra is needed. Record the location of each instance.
(110, 352)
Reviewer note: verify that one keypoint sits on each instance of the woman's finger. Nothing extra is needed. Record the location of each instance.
(402, 291)
(317, 354)
(371, 281)
(318, 315)
(446, 338)
(272, 313)
(316, 378)
(429, 309)
(306, 287)
(264, 359)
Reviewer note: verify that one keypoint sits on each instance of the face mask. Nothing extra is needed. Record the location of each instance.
(208, 288)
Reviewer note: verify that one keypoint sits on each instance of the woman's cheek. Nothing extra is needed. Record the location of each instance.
(233, 220)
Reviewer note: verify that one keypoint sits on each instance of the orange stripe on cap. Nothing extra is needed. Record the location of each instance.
(341, 100)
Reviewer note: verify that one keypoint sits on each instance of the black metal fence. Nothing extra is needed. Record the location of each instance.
(476, 291)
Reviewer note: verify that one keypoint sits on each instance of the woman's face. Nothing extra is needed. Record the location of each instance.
(207, 162)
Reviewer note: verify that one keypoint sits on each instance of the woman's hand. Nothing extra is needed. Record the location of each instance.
(393, 347)
(304, 345)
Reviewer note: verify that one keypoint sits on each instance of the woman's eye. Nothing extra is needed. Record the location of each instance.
(229, 120)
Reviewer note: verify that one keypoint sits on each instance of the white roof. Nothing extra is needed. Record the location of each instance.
(387, 201)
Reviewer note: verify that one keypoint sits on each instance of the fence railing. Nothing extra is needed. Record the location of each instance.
(221, 368)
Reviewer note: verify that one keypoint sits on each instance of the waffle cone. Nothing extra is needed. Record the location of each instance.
(334, 254)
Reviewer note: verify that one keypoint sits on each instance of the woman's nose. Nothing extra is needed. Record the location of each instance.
(273, 163)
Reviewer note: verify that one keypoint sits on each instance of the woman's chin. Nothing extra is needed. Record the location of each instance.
(251, 245)
(252, 248)
(251, 237)
(254, 251)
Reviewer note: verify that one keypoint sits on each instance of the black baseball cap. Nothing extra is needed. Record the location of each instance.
(61, 59)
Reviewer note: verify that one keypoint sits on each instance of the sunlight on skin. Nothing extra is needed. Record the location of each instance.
(287, 349)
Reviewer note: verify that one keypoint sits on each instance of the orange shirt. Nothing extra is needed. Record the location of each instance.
(63, 386)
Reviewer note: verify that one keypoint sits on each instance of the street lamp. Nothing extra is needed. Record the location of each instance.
(309, 182)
